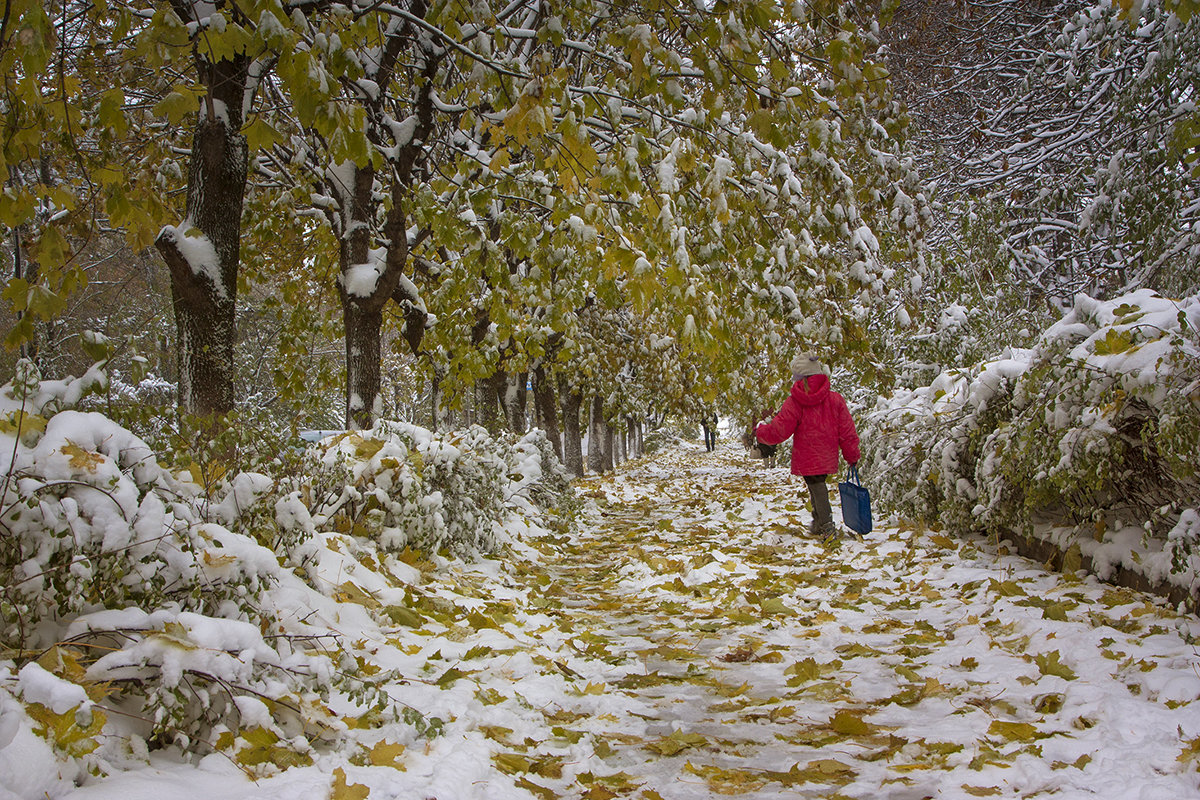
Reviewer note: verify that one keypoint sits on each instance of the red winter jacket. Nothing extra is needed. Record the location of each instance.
(818, 422)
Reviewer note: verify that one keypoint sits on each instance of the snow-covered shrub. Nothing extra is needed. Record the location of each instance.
(408, 487)
(1097, 424)
(464, 474)
(662, 438)
(113, 569)
(933, 437)
(537, 478)
(1091, 410)
(92, 519)
(157, 591)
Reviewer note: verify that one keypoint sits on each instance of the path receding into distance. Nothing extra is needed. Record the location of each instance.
(739, 657)
(684, 638)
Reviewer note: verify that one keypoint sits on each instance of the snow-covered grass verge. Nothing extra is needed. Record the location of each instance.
(1090, 440)
(145, 606)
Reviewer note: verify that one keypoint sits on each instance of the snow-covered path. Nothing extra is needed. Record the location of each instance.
(755, 662)
(681, 641)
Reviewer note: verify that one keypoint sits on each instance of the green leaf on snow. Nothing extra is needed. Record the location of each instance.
(850, 723)
(1049, 664)
(804, 671)
(1006, 588)
(773, 605)
(1013, 731)
(449, 677)
(515, 763)
(676, 743)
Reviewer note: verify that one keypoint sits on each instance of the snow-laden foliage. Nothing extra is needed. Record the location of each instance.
(1061, 138)
(536, 478)
(170, 600)
(1094, 429)
(406, 487)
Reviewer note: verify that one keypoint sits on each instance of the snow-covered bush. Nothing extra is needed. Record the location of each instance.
(924, 443)
(157, 591)
(537, 478)
(464, 473)
(408, 487)
(115, 574)
(1095, 426)
(664, 437)
(92, 519)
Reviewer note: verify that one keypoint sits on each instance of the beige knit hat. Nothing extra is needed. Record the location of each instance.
(805, 364)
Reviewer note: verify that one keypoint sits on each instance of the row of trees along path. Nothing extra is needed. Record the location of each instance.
(722, 652)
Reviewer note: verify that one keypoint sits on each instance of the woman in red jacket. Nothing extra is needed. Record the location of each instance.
(820, 424)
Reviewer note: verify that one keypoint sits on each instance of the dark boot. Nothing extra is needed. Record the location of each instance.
(822, 524)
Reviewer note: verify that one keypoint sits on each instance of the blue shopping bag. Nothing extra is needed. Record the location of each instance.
(856, 503)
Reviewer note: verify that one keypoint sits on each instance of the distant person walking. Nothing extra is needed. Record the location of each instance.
(709, 423)
(820, 425)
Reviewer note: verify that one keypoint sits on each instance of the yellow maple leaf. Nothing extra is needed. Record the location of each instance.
(1018, 731)
(387, 754)
(850, 723)
(676, 743)
(218, 561)
(82, 459)
(340, 790)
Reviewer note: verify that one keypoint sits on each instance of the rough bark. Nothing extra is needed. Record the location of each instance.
(488, 403)
(416, 319)
(572, 442)
(205, 309)
(518, 412)
(364, 325)
(547, 412)
(514, 402)
(595, 456)
(607, 456)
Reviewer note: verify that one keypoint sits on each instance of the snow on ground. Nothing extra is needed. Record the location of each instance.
(685, 640)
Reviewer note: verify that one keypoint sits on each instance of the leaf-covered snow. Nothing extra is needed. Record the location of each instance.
(681, 640)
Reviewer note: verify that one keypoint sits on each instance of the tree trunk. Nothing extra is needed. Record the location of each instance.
(595, 455)
(436, 412)
(514, 402)
(572, 442)
(489, 405)
(544, 401)
(364, 325)
(522, 416)
(204, 271)
(607, 454)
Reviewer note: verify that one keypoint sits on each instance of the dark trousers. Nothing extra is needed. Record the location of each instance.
(818, 492)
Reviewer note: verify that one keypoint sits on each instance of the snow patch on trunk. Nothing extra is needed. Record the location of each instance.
(361, 280)
(199, 253)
